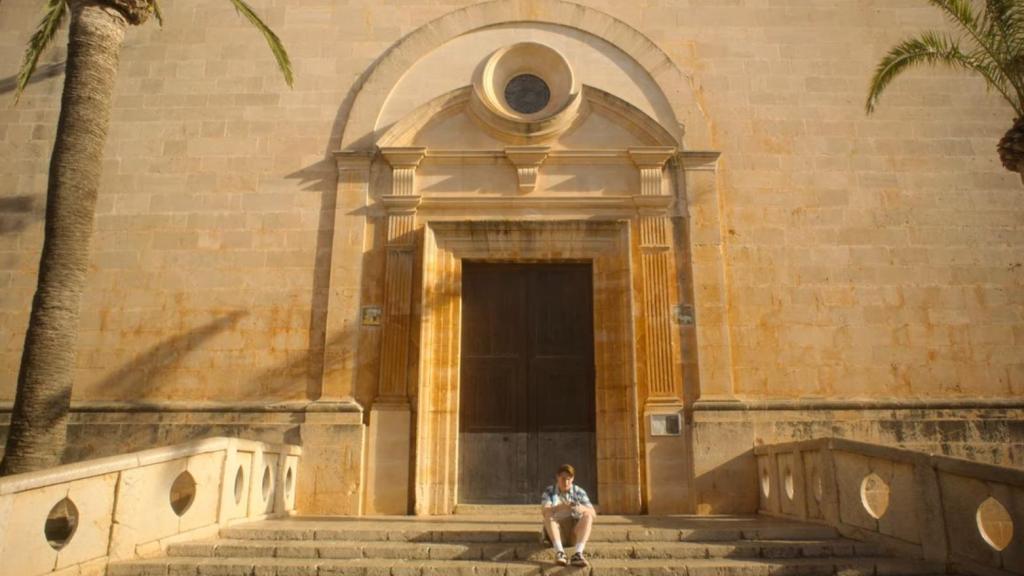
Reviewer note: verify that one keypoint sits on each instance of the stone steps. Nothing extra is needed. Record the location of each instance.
(598, 567)
(227, 548)
(505, 530)
(507, 545)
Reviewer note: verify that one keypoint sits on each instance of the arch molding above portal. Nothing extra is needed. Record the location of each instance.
(362, 132)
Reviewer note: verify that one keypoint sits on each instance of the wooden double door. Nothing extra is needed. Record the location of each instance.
(527, 380)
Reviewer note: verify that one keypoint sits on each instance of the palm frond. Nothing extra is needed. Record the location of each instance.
(1008, 23)
(1005, 38)
(157, 13)
(53, 16)
(998, 11)
(960, 12)
(983, 29)
(934, 48)
(977, 61)
(272, 40)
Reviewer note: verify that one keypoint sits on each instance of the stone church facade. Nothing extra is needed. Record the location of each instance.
(481, 239)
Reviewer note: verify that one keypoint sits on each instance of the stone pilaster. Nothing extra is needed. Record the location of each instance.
(657, 270)
(341, 338)
(664, 430)
(714, 346)
(401, 253)
(332, 432)
(389, 443)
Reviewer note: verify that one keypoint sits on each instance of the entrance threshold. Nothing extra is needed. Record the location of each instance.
(503, 510)
(498, 510)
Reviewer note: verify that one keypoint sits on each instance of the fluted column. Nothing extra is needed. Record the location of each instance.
(657, 269)
(401, 249)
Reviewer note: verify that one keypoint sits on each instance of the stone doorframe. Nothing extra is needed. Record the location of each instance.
(675, 213)
(607, 246)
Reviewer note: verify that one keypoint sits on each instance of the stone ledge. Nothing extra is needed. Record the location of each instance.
(98, 467)
(720, 405)
(200, 406)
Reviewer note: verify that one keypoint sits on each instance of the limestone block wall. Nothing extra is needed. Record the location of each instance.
(863, 257)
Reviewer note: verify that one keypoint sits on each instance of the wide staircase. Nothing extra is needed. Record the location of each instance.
(508, 543)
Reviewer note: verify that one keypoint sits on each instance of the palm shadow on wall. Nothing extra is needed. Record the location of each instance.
(42, 73)
(17, 212)
(322, 177)
(138, 378)
(279, 381)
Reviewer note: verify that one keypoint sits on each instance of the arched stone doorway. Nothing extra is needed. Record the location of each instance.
(452, 157)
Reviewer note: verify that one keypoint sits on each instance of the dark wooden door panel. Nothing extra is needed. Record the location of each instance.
(491, 468)
(562, 316)
(493, 311)
(493, 377)
(527, 381)
(491, 401)
(565, 399)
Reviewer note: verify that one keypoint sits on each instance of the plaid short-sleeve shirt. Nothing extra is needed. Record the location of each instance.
(575, 495)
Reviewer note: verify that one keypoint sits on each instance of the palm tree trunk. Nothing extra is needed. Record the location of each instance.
(38, 429)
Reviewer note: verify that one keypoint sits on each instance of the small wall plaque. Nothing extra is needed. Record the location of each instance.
(665, 424)
(372, 315)
(683, 314)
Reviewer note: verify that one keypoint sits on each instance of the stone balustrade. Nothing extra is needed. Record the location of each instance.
(76, 518)
(944, 510)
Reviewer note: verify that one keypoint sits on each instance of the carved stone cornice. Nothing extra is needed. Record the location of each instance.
(651, 162)
(527, 160)
(352, 159)
(397, 204)
(403, 156)
(699, 160)
(652, 204)
(403, 163)
(651, 156)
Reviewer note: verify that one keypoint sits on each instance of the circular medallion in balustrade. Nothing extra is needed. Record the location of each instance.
(874, 495)
(239, 485)
(61, 524)
(267, 483)
(994, 524)
(183, 493)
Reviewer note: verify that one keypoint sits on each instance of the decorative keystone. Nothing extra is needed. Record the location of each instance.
(527, 160)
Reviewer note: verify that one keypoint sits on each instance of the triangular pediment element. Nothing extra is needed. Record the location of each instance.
(603, 122)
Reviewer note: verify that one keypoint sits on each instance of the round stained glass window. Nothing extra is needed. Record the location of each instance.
(527, 94)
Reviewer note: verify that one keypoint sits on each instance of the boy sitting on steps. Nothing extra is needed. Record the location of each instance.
(567, 507)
